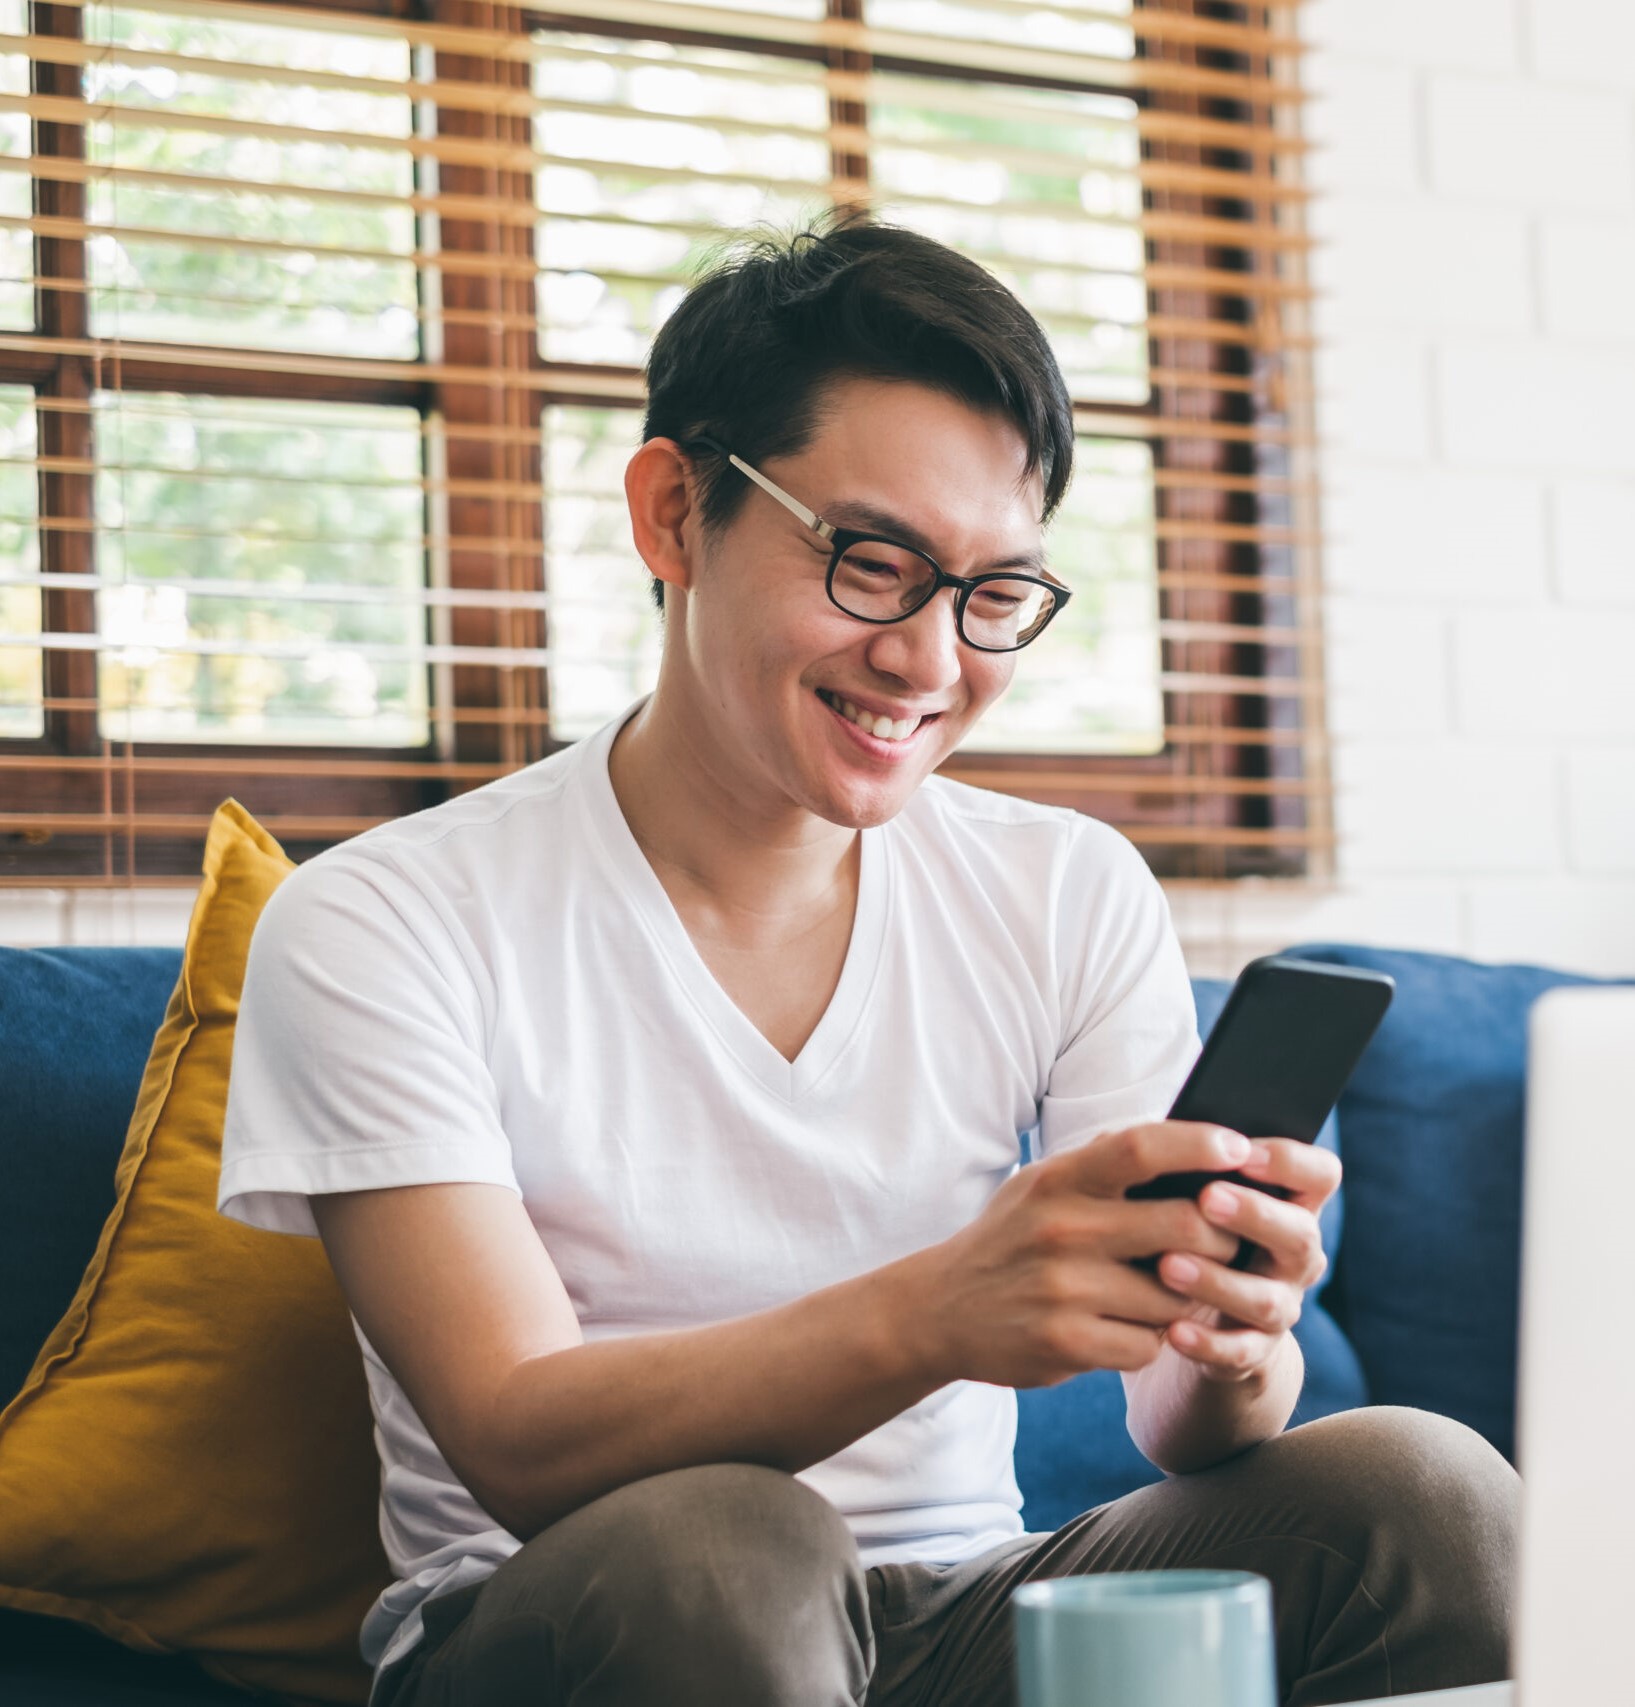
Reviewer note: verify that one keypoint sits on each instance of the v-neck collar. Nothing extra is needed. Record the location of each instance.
(628, 866)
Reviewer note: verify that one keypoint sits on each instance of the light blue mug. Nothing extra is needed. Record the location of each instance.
(1146, 1639)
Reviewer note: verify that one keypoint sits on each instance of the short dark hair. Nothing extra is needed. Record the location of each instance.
(746, 357)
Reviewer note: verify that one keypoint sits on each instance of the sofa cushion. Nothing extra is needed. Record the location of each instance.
(189, 1466)
(1073, 1450)
(1427, 1283)
(75, 1028)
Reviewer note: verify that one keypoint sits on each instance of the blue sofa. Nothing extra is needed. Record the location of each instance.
(1419, 1307)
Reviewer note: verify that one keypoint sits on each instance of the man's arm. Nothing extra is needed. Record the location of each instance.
(453, 1288)
(458, 1296)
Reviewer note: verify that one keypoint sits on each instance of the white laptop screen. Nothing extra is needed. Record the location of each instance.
(1575, 1639)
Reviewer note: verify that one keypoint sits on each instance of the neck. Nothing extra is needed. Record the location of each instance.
(706, 835)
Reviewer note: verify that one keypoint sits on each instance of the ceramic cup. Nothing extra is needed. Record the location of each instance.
(1146, 1639)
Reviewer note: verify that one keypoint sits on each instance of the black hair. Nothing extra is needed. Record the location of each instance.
(748, 355)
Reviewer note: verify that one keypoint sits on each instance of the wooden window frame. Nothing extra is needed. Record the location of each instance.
(1242, 759)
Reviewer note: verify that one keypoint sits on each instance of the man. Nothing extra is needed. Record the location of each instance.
(658, 1107)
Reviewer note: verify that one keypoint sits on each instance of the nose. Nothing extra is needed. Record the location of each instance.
(923, 650)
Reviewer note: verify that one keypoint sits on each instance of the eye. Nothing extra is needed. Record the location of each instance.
(992, 602)
(877, 567)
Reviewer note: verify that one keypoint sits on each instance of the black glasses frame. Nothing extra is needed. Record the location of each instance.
(841, 540)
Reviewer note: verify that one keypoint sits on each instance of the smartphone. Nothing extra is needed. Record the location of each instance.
(1288, 1039)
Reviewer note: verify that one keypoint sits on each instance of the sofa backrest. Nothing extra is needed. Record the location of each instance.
(1419, 1308)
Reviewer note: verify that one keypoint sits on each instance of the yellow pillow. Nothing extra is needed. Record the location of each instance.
(190, 1465)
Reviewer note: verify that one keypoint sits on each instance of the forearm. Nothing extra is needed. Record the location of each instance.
(1183, 1421)
(786, 1387)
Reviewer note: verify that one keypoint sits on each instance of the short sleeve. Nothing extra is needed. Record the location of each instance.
(358, 1054)
(1129, 1031)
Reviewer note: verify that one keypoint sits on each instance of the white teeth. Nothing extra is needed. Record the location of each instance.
(882, 728)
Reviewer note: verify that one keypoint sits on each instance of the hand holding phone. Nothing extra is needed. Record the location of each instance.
(1288, 1039)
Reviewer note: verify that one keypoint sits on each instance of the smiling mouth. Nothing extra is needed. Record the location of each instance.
(881, 728)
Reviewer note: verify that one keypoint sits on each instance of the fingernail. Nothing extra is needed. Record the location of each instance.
(1222, 1199)
(1183, 1269)
(1234, 1147)
(1259, 1157)
(1183, 1333)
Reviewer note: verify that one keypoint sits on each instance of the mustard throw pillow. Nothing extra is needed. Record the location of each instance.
(190, 1465)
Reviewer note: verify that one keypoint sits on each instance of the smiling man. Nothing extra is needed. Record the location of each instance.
(660, 1108)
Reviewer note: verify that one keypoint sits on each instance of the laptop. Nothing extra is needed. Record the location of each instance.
(1574, 1642)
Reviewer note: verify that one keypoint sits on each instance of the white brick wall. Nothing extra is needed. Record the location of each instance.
(1594, 541)
(1580, 42)
(1534, 405)
(1587, 276)
(1562, 672)
(1449, 807)
(1471, 35)
(1525, 142)
(1451, 535)
(1470, 269)
(1477, 214)
(1366, 122)
(1601, 809)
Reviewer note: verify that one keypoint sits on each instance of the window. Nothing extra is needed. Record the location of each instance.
(262, 567)
(320, 354)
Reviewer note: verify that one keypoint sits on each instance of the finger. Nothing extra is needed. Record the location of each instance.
(1144, 1229)
(1310, 1175)
(1106, 1344)
(1127, 1295)
(1227, 1353)
(1285, 1231)
(1255, 1301)
(1108, 1165)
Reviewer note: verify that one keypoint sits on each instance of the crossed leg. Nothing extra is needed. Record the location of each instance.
(1388, 1536)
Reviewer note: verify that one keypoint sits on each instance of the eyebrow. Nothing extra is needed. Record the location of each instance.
(865, 518)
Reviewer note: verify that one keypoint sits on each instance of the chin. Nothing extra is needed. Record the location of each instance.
(865, 808)
(866, 818)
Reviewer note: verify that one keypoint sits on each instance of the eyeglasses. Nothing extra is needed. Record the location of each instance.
(880, 580)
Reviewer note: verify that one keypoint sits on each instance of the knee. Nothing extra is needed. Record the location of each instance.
(1435, 1485)
(721, 1582)
(740, 1526)
(1427, 1463)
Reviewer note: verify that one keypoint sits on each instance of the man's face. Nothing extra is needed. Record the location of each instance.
(780, 678)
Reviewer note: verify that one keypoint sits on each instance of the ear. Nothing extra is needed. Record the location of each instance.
(663, 522)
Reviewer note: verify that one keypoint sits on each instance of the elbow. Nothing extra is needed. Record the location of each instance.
(519, 1498)
(478, 1463)
(1174, 1463)
(516, 1463)
(1162, 1454)
(501, 1498)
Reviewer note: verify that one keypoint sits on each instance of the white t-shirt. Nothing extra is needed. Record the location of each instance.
(499, 990)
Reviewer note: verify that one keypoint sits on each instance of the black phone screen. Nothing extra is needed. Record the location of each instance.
(1289, 1037)
(1287, 1040)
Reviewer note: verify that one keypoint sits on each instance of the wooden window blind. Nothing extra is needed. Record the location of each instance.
(320, 342)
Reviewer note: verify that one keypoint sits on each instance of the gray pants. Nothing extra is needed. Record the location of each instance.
(1387, 1534)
